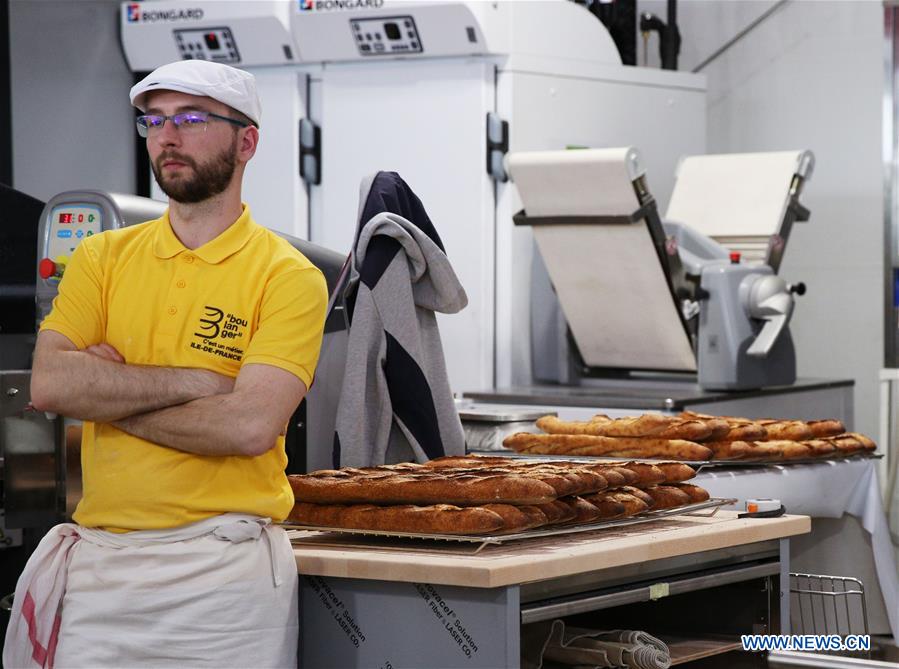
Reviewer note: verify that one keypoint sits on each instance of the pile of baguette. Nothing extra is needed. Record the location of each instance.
(471, 495)
(693, 437)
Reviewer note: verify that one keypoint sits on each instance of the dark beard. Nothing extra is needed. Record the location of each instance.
(210, 178)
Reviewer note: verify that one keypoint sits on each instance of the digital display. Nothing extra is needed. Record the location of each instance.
(65, 217)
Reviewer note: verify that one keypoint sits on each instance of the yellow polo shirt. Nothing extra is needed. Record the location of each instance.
(247, 296)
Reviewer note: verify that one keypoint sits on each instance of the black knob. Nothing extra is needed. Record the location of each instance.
(798, 288)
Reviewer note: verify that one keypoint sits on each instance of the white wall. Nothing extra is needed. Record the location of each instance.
(72, 123)
(810, 76)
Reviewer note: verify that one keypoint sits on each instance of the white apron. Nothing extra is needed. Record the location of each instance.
(219, 593)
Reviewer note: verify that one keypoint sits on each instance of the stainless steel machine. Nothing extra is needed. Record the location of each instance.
(633, 312)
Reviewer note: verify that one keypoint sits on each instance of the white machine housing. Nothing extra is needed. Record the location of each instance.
(546, 74)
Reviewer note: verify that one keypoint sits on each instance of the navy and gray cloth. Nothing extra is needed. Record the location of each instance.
(395, 403)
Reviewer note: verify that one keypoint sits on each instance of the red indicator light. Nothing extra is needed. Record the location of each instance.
(735, 257)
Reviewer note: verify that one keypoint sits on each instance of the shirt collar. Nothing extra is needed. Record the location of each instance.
(229, 242)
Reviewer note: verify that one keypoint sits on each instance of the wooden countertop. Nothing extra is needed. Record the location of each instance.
(319, 554)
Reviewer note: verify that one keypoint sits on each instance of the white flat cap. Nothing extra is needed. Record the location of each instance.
(230, 86)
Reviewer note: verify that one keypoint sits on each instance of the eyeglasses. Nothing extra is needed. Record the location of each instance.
(190, 121)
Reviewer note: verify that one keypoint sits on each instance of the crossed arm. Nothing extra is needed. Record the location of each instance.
(192, 410)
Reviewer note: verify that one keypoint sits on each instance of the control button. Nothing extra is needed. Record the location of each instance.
(90, 233)
(365, 47)
(181, 283)
(172, 311)
(46, 268)
(188, 258)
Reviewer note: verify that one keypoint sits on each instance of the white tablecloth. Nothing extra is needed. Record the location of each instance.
(822, 490)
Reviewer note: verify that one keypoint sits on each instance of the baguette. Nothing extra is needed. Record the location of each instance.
(636, 492)
(826, 428)
(460, 489)
(763, 450)
(667, 497)
(648, 425)
(572, 444)
(647, 474)
(820, 448)
(517, 518)
(610, 500)
(608, 508)
(789, 430)
(851, 442)
(557, 512)
(584, 511)
(728, 450)
(694, 492)
(434, 519)
(791, 450)
(739, 429)
(675, 472)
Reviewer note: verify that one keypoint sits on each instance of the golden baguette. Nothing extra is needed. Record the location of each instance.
(647, 474)
(667, 497)
(826, 428)
(728, 450)
(517, 518)
(695, 493)
(557, 512)
(763, 450)
(617, 504)
(676, 472)
(433, 519)
(656, 426)
(570, 444)
(459, 489)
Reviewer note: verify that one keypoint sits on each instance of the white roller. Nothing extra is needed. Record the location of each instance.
(607, 276)
(736, 195)
(579, 182)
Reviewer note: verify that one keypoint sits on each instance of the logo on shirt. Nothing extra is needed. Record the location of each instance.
(133, 12)
(219, 333)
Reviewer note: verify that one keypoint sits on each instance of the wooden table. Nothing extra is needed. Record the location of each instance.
(418, 604)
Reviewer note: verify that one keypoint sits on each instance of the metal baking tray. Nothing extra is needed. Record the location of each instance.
(712, 505)
(592, 459)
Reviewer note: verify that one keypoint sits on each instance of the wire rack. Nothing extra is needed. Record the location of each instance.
(828, 605)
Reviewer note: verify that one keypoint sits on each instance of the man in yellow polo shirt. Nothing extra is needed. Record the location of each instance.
(184, 344)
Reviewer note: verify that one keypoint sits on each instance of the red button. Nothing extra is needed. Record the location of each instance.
(46, 268)
(735, 257)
